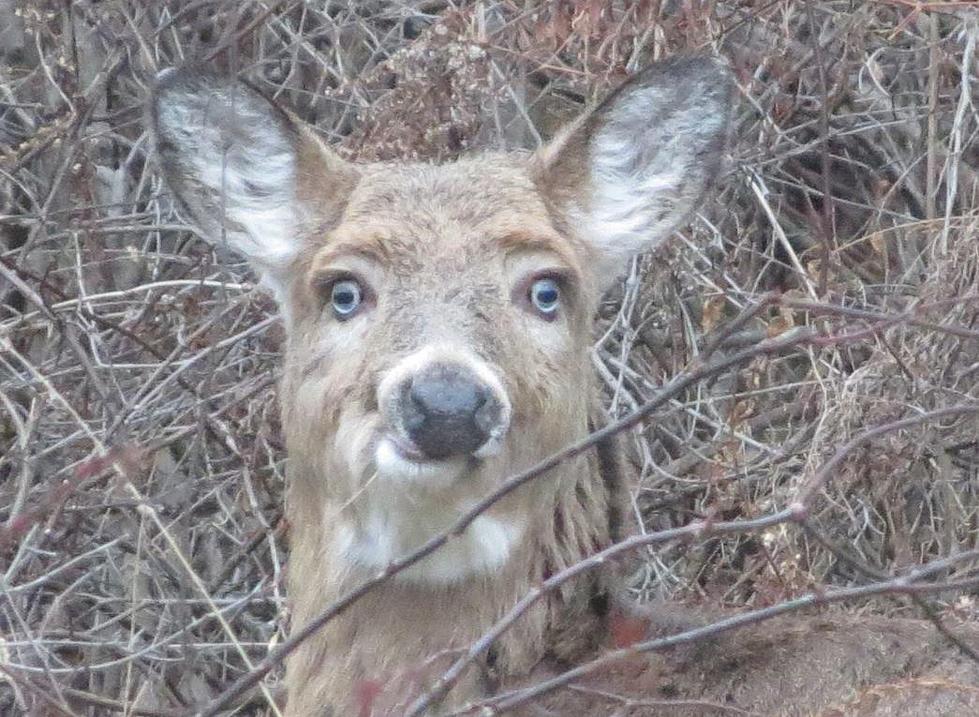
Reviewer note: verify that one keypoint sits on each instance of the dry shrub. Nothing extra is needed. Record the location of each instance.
(121, 332)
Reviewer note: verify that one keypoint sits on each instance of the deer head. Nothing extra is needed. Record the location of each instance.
(439, 317)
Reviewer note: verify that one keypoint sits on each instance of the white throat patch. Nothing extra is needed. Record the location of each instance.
(393, 528)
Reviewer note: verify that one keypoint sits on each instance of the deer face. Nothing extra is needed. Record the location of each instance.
(441, 311)
(438, 317)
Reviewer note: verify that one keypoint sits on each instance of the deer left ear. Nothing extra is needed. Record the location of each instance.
(625, 175)
(242, 169)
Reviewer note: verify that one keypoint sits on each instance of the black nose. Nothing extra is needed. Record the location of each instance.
(447, 411)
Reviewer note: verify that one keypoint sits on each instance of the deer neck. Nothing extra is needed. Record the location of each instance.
(404, 630)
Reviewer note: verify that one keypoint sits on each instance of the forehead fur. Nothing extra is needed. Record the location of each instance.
(470, 192)
(420, 214)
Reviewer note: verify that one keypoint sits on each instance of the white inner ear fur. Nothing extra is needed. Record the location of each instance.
(263, 228)
(626, 185)
(648, 162)
(240, 157)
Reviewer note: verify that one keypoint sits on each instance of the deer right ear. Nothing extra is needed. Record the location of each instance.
(236, 162)
(626, 174)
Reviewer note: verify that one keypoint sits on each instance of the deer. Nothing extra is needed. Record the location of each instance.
(438, 322)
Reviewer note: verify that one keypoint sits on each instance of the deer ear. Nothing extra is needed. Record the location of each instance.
(623, 176)
(237, 164)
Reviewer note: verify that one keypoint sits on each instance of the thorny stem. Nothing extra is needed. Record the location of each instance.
(827, 232)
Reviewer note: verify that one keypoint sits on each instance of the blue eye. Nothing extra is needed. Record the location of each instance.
(346, 296)
(545, 295)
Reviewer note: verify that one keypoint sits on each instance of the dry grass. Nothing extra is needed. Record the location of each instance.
(852, 187)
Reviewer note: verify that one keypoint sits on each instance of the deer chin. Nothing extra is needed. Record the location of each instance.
(402, 515)
(404, 500)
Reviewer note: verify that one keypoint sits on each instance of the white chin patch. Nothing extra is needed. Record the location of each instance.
(406, 503)
(483, 548)
(394, 466)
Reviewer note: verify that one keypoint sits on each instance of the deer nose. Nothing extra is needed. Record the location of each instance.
(447, 412)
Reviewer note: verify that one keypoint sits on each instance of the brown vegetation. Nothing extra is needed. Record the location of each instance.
(807, 348)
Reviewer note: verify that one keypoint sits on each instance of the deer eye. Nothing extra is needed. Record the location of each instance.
(346, 296)
(545, 295)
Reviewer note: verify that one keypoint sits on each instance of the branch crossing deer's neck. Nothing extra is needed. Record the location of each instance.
(439, 340)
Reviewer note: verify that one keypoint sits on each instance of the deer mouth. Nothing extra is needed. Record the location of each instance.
(398, 459)
(406, 449)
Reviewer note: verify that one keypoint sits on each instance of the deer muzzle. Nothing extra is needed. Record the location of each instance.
(441, 406)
